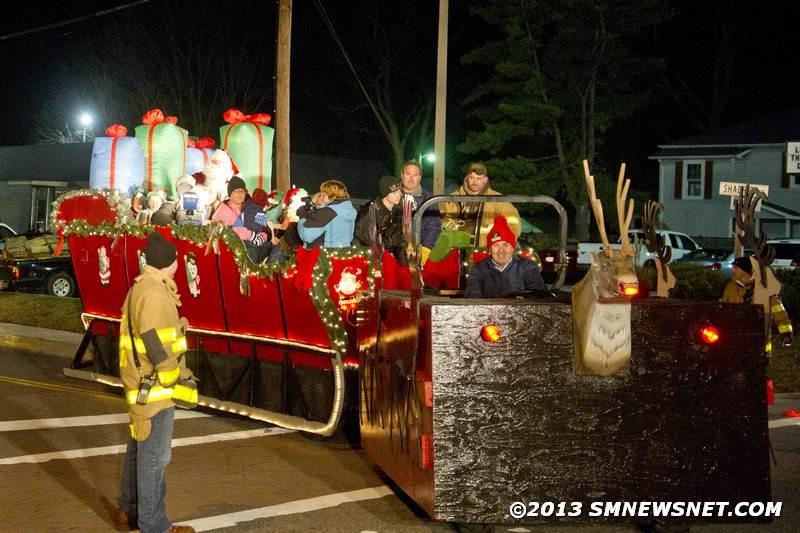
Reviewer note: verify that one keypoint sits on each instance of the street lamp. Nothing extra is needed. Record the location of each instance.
(430, 158)
(86, 121)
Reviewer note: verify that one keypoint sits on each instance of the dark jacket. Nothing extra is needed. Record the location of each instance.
(431, 221)
(390, 228)
(485, 281)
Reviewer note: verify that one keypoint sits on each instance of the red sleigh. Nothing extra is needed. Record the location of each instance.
(275, 325)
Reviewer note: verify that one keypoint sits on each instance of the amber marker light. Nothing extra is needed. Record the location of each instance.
(709, 334)
(629, 290)
(490, 333)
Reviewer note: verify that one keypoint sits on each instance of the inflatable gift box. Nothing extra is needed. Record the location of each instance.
(117, 161)
(198, 153)
(164, 146)
(248, 140)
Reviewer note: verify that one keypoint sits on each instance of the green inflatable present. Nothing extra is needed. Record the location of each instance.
(248, 140)
(164, 146)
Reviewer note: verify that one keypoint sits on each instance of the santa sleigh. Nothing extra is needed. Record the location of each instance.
(467, 405)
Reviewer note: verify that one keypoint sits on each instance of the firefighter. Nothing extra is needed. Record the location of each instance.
(152, 343)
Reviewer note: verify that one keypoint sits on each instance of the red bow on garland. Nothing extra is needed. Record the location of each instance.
(116, 130)
(205, 142)
(305, 261)
(234, 116)
(156, 116)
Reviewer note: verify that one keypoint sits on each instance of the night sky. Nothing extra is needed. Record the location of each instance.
(37, 69)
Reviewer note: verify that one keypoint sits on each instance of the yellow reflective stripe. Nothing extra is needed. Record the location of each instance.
(157, 393)
(132, 429)
(185, 394)
(512, 220)
(168, 377)
(785, 328)
(179, 346)
(125, 343)
(777, 308)
(768, 348)
(167, 334)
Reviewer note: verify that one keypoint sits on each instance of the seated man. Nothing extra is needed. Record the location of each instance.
(504, 273)
(475, 218)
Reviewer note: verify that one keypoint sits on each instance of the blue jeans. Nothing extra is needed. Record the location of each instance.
(143, 486)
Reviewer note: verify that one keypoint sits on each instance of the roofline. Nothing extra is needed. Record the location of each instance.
(700, 156)
(779, 211)
(760, 145)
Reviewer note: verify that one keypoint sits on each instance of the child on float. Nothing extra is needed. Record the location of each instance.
(330, 220)
(388, 218)
(242, 215)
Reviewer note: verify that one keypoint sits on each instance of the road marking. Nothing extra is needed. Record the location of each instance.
(784, 422)
(82, 421)
(57, 388)
(118, 449)
(294, 507)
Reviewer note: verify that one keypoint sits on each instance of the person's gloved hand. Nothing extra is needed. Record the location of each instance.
(424, 252)
(786, 339)
(259, 239)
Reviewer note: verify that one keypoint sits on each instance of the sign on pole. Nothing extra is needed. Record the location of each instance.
(727, 188)
(793, 157)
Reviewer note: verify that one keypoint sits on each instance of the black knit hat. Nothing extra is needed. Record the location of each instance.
(236, 183)
(388, 185)
(159, 252)
(744, 263)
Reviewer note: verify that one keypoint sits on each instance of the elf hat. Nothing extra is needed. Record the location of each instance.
(501, 232)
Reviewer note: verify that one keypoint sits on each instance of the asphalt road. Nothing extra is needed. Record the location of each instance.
(62, 440)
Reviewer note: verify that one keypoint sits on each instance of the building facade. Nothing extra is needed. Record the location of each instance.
(691, 170)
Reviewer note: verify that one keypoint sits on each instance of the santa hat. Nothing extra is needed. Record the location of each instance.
(501, 232)
(291, 193)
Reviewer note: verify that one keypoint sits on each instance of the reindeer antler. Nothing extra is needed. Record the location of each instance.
(624, 220)
(745, 206)
(655, 242)
(597, 208)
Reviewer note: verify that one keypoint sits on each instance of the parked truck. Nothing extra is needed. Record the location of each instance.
(27, 263)
(681, 245)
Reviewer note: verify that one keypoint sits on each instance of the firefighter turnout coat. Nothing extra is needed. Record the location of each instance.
(478, 218)
(159, 334)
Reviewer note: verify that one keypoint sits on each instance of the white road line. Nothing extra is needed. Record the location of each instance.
(82, 421)
(118, 449)
(294, 507)
(784, 422)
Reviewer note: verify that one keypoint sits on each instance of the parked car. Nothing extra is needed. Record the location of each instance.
(5, 231)
(787, 253)
(35, 269)
(714, 259)
(681, 245)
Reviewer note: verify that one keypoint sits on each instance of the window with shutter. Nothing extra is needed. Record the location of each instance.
(693, 182)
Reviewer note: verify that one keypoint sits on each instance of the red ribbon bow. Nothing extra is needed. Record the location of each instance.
(234, 116)
(116, 130)
(205, 142)
(156, 116)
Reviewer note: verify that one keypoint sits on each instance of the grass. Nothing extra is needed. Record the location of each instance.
(65, 314)
(41, 311)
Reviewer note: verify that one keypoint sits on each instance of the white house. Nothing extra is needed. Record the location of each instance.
(691, 170)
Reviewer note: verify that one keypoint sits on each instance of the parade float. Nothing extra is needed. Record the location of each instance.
(467, 405)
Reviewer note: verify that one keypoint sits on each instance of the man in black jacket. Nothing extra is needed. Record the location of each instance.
(503, 274)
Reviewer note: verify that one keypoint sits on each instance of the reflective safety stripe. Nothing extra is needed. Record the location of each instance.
(785, 327)
(168, 377)
(768, 348)
(185, 394)
(777, 308)
(157, 394)
(132, 429)
(165, 336)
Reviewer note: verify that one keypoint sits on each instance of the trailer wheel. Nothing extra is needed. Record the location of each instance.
(61, 284)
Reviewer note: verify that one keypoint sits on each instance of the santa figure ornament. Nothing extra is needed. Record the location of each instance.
(104, 266)
(348, 288)
(293, 200)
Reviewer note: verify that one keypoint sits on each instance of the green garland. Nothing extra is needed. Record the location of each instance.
(208, 234)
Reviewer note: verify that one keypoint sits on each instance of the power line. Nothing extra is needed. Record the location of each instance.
(72, 20)
(335, 36)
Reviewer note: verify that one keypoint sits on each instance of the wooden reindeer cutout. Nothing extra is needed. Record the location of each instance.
(655, 245)
(601, 307)
(766, 284)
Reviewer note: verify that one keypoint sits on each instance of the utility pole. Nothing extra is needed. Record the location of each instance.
(282, 168)
(441, 102)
